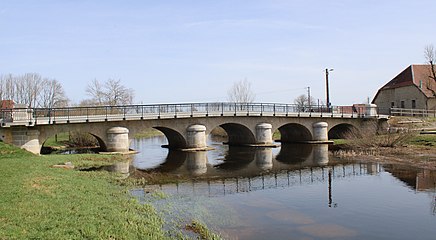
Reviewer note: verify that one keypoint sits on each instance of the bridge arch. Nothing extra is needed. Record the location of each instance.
(238, 134)
(343, 130)
(294, 132)
(101, 143)
(175, 139)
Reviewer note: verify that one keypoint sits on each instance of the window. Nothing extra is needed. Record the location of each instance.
(413, 103)
(402, 104)
(392, 104)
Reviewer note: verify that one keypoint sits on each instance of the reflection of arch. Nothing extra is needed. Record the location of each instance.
(175, 139)
(237, 158)
(343, 130)
(173, 161)
(294, 153)
(238, 134)
(294, 132)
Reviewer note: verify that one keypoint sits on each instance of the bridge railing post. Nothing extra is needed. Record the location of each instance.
(248, 110)
(235, 109)
(54, 115)
(192, 109)
(68, 115)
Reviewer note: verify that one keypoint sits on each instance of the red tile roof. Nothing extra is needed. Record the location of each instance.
(418, 75)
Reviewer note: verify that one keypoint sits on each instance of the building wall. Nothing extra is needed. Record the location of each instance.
(406, 94)
(432, 104)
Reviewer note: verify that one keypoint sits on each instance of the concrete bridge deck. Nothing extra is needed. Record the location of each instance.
(185, 125)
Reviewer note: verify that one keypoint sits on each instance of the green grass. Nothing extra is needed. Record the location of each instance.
(62, 140)
(148, 133)
(423, 140)
(340, 141)
(40, 202)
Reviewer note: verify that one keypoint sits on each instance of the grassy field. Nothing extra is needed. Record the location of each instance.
(40, 202)
(423, 140)
(418, 140)
(62, 140)
(148, 133)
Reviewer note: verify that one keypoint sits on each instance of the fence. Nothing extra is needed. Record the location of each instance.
(412, 112)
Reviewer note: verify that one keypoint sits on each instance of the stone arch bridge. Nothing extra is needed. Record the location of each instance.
(186, 126)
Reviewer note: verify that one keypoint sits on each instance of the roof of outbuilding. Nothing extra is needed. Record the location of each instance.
(418, 75)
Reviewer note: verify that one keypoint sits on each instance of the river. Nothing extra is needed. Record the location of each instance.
(289, 192)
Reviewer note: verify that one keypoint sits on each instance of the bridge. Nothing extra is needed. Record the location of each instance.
(186, 125)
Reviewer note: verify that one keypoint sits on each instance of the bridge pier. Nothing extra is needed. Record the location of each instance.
(117, 139)
(196, 137)
(264, 134)
(320, 132)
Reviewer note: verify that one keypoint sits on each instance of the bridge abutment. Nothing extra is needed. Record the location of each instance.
(117, 139)
(25, 138)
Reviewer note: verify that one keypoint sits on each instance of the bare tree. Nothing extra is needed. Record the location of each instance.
(52, 94)
(32, 90)
(95, 90)
(430, 57)
(117, 94)
(241, 92)
(112, 92)
(302, 102)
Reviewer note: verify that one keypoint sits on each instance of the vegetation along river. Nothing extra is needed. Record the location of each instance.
(289, 192)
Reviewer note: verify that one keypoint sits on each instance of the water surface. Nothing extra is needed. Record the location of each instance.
(291, 192)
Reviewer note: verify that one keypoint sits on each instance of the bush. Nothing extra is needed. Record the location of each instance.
(79, 139)
(370, 138)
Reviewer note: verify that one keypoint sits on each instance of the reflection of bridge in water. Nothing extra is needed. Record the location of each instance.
(243, 162)
(271, 180)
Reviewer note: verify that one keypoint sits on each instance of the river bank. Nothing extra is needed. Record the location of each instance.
(38, 201)
(417, 151)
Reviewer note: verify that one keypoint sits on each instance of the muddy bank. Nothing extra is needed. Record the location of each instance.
(421, 157)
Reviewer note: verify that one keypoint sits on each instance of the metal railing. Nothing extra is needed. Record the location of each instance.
(34, 116)
(412, 112)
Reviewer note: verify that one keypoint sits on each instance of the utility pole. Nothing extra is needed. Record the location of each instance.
(308, 98)
(327, 86)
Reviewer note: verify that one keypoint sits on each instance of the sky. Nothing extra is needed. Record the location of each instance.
(194, 51)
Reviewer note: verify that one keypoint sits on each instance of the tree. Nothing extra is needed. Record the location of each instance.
(32, 90)
(302, 102)
(52, 94)
(430, 57)
(241, 92)
(95, 90)
(111, 92)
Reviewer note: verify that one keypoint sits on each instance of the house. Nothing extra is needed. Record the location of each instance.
(412, 88)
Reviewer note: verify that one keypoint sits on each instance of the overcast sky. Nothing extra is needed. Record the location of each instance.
(193, 51)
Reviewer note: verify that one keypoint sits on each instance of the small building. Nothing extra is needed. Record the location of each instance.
(413, 88)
